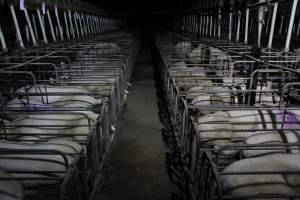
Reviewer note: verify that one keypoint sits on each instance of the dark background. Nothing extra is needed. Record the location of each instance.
(140, 13)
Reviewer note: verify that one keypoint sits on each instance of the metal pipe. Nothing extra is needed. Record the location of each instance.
(84, 24)
(211, 26)
(35, 27)
(80, 24)
(298, 28)
(219, 23)
(2, 40)
(87, 25)
(71, 24)
(273, 25)
(200, 25)
(92, 25)
(18, 33)
(75, 22)
(30, 27)
(98, 25)
(260, 24)
(238, 26)
(247, 26)
(51, 25)
(66, 24)
(230, 25)
(59, 25)
(42, 26)
(291, 24)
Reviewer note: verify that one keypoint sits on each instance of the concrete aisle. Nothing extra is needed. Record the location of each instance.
(137, 169)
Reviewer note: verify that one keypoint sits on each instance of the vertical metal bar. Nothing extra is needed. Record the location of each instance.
(273, 25)
(30, 27)
(291, 24)
(2, 40)
(71, 24)
(230, 25)
(211, 25)
(219, 23)
(18, 33)
(35, 27)
(247, 26)
(207, 24)
(67, 26)
(200, 25)
(87, 25)
(98, 25)
(75, 22)
(59, 26)
(238, 27)
(42, 26)
(27, 33)
(51, 25)
(281, 24)
(80, 24)
(84, 24)
(260, 24)
(92, 25)
(298, 28)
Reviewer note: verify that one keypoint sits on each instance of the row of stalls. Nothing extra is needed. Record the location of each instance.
(64, 71)
(230, 74)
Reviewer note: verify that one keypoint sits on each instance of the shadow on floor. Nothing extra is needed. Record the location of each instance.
(175, 163)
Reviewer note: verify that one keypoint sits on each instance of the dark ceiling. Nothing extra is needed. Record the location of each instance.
(137, 6)
(139, 12)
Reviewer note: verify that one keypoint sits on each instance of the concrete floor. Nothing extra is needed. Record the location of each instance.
(137, 167)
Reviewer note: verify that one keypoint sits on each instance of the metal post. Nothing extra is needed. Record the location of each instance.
(35, 27)
(91, 23)
(219, 23)
(51, 25)
(59, 26)
(273, 25)
(291, 24)
(2, 40)
(87, 25)
(298, 28)
(71, 24)
(247, 26)
(80, 24)
(98, 25)
(211, 25)
(67, 26)
(84, 24)
(201, 24)
(260, 24)
(42, 26)
(75, 22)
(18, 33)
(230, 25)
(30, 27)
(238, 26)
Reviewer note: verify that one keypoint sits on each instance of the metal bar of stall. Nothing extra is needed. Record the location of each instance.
(2, 40)
(60, 29)
(42, 26)
(71, 24)
(274, 15)
(66, 25)
(18, 32)
(30, 27)
(51, 26)
(291, 25)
